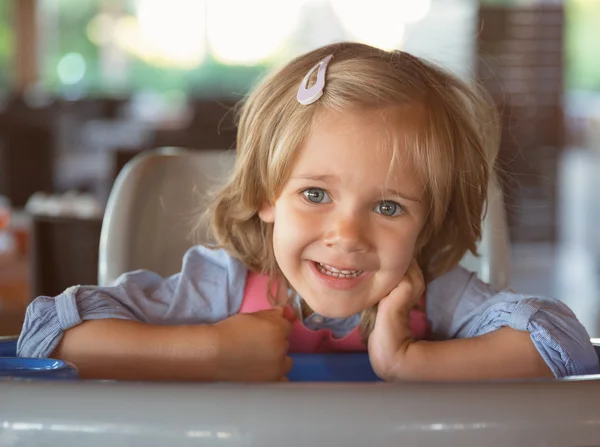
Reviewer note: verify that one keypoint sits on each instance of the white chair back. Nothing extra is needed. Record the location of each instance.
(157, 199)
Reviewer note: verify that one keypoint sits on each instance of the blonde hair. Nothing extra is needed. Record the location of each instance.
(453, 149)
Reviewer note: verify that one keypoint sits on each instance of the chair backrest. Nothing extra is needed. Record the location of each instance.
(493, 263)
(153, 207)
(157, 199)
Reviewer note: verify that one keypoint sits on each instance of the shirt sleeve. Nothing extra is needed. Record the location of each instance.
(208, 289)
(459, 305)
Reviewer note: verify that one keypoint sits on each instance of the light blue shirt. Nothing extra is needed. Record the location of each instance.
(211, 284)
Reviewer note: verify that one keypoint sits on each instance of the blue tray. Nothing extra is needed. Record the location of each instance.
(8, 346)
(44, 369)
(346, 367)
(49, 369)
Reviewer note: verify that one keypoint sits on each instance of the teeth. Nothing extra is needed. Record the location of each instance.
(332, 271)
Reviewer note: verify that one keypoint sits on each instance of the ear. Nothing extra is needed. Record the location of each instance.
(266, 212)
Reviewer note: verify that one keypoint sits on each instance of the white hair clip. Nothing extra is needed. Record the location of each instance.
(307, 96)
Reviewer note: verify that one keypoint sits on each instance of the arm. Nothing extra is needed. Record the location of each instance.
(247, 347)
(208, 289)
(148, 327)
(479, 334)
(130, 350)
(503, 354)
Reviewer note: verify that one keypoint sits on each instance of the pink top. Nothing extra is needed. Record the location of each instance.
(304, 340)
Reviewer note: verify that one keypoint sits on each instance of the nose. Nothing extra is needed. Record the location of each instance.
(347, 233)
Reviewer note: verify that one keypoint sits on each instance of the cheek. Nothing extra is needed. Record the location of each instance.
(292, 229)
(397, 247)
(297, 219)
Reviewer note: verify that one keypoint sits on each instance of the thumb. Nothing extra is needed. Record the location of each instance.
(270, 314)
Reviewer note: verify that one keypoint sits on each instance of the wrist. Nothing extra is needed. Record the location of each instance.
(195, 348)
(409, 362)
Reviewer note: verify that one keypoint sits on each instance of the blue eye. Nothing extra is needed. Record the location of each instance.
(389, 209)
(316, 195)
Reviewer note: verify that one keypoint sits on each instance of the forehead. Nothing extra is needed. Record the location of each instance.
(378, 140)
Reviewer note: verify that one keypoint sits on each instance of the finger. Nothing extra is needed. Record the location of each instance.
(417, 293)
(414, 272)
(399, 300)
(287, 328)
(417, 280)
(284, 379)
(289, 314)
(276, 317)
(288, 364)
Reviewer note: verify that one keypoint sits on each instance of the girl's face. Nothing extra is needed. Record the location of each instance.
(347, 221)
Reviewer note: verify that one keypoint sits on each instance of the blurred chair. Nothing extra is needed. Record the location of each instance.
(26, 159)
(120, 157)
(577, 272)
(212, 125)
(157, 199)
(64, 252)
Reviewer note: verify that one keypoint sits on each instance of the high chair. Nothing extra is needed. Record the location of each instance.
(156, 203)
(157, 199)
(153, 203)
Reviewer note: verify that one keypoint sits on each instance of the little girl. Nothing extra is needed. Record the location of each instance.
(361, 176)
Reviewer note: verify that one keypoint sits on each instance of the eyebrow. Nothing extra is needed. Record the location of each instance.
(328, 178)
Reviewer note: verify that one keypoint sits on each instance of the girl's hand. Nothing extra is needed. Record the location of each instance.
(391, 336)
(253, 347)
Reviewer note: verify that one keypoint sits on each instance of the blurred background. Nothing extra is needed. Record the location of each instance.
(87, 84)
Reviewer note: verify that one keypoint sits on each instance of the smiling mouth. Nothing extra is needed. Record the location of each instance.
(336, 273)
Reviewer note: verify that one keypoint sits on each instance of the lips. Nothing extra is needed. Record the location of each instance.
(336, 272)
(337, 278)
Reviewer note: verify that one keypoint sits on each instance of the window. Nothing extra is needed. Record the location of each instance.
(220, 47)
(582, 35)
(6, 45)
